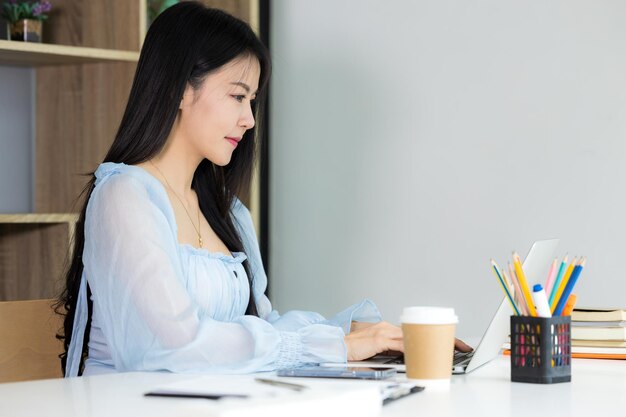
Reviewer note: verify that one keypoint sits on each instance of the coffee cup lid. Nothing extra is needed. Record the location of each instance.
(429, 315)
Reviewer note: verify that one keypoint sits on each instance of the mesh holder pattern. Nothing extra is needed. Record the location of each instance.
(541, 349)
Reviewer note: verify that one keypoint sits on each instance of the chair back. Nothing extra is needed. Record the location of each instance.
(28, 346)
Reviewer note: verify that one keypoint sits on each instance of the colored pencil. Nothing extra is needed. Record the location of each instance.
(569, 287)
(504, 285)
(559, 291)
(551, 276)
(521, 302)
(517, 264)
(557, 281)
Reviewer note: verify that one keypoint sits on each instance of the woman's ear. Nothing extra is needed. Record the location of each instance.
(188, 95)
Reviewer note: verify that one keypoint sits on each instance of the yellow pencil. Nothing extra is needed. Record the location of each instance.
(518, 292)
(559, 291)
(517, 263)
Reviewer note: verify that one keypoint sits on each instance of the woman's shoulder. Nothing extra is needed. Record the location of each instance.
(118, 180)
(122, 172)
(120, 175)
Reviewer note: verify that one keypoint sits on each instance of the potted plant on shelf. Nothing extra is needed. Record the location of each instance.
(24, 19)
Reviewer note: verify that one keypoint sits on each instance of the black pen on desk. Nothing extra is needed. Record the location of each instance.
(288, 385)
(406, 391)
(192, 395)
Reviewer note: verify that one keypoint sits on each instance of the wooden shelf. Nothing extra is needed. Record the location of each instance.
(83, 75)
(26, 54)
(38, 218)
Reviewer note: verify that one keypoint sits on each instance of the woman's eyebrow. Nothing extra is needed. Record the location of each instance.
(243, 85)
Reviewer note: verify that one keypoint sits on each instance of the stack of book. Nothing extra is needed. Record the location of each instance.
(599, 333)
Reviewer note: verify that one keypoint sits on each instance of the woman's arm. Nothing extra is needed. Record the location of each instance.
(148, 318)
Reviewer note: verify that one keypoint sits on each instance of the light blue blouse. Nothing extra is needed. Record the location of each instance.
(161, 305)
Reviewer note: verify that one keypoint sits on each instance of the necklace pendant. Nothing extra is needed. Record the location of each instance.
(200, 241)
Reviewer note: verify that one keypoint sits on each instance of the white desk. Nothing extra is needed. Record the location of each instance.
(598, 388)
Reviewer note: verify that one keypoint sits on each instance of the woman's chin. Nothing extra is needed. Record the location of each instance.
(221, 161)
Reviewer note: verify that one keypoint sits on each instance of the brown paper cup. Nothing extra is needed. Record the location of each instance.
(428, 350)
(428, 334)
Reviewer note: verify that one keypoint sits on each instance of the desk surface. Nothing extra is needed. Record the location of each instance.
(598, 387)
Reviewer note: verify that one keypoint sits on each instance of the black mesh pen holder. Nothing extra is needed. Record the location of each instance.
(541, 349)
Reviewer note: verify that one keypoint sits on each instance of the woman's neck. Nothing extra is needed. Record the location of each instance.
(177, 166)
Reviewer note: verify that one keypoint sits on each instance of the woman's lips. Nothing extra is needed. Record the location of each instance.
(233, 141)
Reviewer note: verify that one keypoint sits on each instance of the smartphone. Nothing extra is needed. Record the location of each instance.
(352, 372)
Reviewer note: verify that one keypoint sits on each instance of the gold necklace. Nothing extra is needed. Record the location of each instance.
(197, 229)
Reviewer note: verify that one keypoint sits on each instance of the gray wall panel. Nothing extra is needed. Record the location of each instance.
(414, 140)
(16, 139)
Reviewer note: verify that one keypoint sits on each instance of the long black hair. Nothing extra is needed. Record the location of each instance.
(184, 44)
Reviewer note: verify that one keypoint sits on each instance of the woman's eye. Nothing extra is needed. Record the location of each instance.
(239, 98)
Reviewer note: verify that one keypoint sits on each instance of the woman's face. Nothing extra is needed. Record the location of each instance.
(214, 117)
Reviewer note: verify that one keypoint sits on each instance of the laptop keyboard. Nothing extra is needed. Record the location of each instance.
(459, 358)
(398, 360)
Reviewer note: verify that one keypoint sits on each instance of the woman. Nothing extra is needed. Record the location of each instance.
(166, 272)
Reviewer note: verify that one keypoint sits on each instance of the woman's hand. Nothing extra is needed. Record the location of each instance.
(461, 346)
(359, 325)
(367, 339)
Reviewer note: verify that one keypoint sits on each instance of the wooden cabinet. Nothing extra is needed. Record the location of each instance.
(83, 75)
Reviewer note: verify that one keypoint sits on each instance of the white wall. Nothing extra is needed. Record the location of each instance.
(411, 141)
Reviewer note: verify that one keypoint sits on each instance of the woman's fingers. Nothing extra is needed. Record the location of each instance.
(367, 342)
(395, 345)
(461, 346)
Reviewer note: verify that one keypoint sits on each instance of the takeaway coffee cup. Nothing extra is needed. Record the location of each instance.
(428, 334)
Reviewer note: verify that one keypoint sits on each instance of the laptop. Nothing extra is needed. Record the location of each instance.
(536, 266)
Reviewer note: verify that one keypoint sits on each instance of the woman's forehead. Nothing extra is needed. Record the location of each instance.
(245, 70)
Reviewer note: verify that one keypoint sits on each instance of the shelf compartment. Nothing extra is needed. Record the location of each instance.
(33, 256)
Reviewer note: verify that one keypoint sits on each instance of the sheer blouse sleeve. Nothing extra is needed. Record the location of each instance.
(148, 318)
